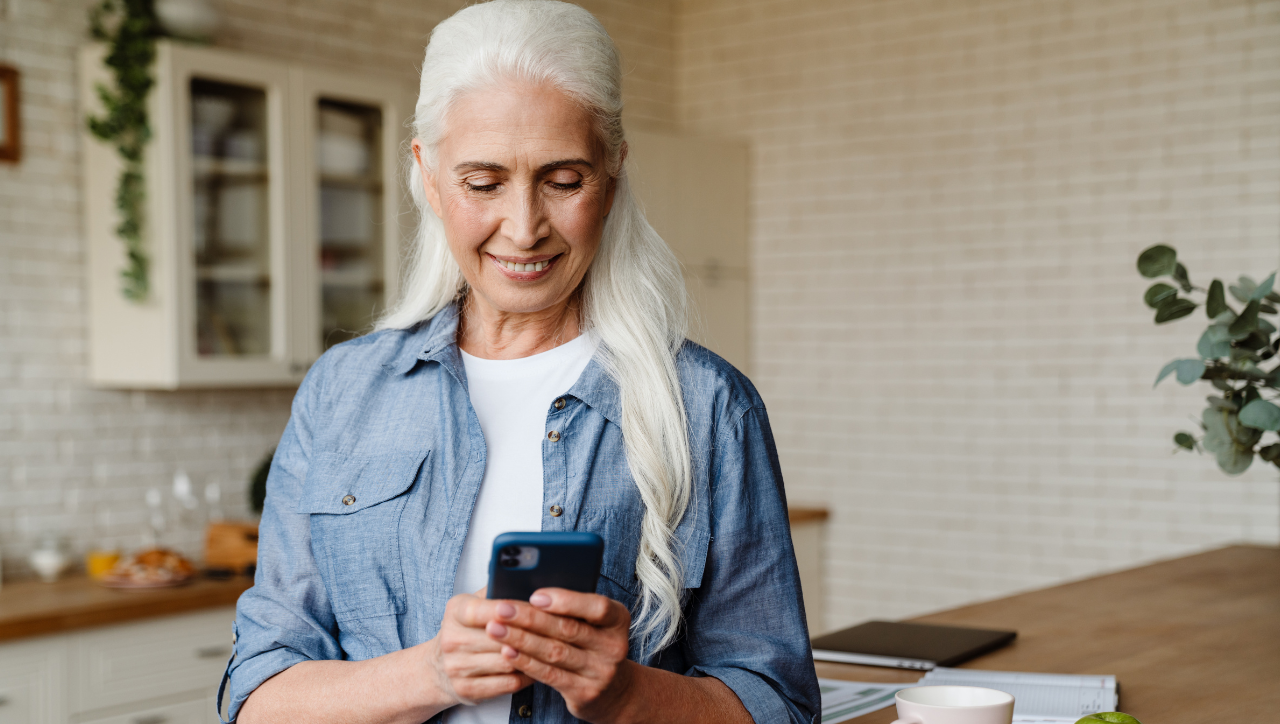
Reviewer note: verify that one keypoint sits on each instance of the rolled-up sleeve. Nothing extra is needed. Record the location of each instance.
(745, 622)
(286, 617)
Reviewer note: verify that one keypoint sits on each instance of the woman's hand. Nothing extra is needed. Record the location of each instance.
(576, 643)
(469, 664)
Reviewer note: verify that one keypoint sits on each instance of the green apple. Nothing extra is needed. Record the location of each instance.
(1111, 717)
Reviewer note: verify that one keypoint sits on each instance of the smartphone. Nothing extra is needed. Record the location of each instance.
(524, 562)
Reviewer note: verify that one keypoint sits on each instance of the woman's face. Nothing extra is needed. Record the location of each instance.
(521, 186)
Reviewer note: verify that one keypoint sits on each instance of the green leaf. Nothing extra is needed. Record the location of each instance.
(1261, 415)
(1158, 294)
(1264, 288)
(1221, 404)
(1215, 303)
(1180, 276)
(1189, 370)
(1214, 343)
(1243, 289)
(1175, 308)
(1273, 298)
(1266, 309)
(1185, 441)
(1270, 453)
(1157, 261)
(1229, 441)
(1246, 322)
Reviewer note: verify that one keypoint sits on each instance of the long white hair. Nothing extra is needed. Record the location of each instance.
(633, 295)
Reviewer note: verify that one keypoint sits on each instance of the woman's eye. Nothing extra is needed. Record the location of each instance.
(566, 186)
(482, 188)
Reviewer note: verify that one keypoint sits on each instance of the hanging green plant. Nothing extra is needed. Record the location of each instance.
(129, 28)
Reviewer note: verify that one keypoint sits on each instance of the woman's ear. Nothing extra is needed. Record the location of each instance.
(613, 181)
(428, 179)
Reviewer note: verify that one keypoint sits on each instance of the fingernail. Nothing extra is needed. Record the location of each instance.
(506, 610)
(541, 600)
(509, 652)
(497, 629)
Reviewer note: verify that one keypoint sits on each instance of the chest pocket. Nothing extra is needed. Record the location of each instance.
(355, 504)
(621, 534)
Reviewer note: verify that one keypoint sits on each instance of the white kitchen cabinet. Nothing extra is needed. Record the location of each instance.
(33, 682)
(160, 671)
(271, 220)
(695, 193)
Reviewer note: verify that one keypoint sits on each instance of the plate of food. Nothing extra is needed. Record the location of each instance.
(151, 568)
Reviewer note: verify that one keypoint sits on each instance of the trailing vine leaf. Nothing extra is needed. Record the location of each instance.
(1158, 294)
(130, 29)
(1188, 370)
(1229, 441)
(1214, 343)
(1180, 276)
(1215, 303)
(1261, 415)
(1266, 309)
(1157, 261)
(1246, 322)
(1175, 308)
(1184, 440)
(1263, 289)
(1270, 453)
(1243, 289)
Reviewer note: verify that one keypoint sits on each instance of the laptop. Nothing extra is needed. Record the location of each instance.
(919, 646)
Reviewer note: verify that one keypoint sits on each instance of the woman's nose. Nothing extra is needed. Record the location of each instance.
(525, 220)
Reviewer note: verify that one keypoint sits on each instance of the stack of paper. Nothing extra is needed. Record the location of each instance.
(1048, 698)
(845, 700)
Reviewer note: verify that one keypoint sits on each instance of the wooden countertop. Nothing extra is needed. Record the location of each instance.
(797, 515)
(1189, 641)
(35, 608)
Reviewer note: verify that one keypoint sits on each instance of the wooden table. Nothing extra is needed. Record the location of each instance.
(34, 608)
(1190, 641)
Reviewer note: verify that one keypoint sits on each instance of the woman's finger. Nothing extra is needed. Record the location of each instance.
(563, 681)
(472, 690)
(524, 616)
(590, 607)
(551, 651)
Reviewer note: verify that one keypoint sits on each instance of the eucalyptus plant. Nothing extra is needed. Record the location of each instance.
(1230, 356)
(129, 28)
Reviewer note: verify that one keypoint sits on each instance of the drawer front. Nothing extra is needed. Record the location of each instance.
(190, 712)
(138, 662)
(33, 682)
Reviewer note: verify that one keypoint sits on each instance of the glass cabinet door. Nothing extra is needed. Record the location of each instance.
(348, 152)
(230, 212)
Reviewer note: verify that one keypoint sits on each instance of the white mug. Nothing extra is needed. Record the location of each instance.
(953, 705)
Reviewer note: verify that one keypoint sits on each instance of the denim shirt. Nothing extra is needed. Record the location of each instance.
(371, 491)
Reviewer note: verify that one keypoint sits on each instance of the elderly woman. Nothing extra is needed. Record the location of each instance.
(535, 376)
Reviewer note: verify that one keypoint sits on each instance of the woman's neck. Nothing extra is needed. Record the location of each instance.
(490, 333)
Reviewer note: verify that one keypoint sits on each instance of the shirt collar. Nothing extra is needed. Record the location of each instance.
(437, 339)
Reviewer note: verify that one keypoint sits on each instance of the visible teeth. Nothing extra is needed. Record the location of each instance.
(513, 266)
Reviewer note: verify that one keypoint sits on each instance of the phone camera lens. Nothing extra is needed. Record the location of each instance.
(509, 557)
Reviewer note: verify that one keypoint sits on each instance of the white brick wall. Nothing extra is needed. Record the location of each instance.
(949, 333)
(77, 461)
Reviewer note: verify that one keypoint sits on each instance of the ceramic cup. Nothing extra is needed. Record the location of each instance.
(953, 705)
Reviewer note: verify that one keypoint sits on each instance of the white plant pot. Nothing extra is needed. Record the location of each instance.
(192, 19)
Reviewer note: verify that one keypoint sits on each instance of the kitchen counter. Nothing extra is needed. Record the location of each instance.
(34, 608)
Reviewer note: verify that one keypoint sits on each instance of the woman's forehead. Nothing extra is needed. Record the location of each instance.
(517, 125)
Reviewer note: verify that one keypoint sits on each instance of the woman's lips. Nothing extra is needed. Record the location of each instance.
(525, 270)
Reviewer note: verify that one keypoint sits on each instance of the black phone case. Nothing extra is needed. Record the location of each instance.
(565, 560)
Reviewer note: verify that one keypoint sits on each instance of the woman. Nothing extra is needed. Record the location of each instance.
(534, 377)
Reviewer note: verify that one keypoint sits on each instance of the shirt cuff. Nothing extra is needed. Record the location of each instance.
(761, 700)
(248, 675)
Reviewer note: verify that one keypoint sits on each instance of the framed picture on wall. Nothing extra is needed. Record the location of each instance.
(10, 129)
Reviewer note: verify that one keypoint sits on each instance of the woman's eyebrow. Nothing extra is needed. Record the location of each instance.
(565, 162)
(479, 165)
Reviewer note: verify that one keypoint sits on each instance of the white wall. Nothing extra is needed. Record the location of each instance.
(948, 199)
(77, 461)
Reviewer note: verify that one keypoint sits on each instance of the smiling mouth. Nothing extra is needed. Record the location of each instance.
(524, 268)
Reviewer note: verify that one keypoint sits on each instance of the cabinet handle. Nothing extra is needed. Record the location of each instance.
(153, 719)
(213, 652)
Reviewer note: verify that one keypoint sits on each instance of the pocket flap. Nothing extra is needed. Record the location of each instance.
(340, 484)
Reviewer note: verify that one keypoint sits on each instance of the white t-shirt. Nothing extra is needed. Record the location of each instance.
(512, 399)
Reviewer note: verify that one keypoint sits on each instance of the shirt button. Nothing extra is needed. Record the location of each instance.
(525, 711)
(348, 499)
(553, 436)
(556, 511)
(560, 404)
